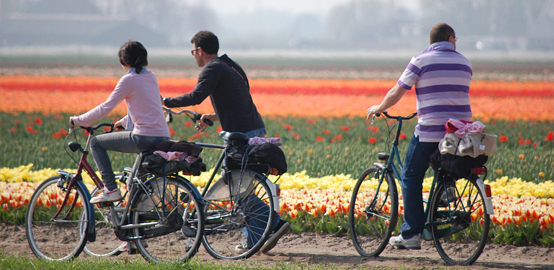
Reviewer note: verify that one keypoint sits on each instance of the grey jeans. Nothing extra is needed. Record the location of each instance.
(124, 142)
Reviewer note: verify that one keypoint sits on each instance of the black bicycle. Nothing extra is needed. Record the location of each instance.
(240, 202)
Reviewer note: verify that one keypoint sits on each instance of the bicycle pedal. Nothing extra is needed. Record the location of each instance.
(188, 232)
(105, 204)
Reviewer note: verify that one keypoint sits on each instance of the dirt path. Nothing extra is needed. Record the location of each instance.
(309, 248)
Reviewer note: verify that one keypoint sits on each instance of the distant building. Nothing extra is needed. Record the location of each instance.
(68, 22)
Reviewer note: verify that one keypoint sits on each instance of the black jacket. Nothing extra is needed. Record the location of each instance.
(225, 82)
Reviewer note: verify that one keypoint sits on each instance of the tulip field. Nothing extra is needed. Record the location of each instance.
(324, 134)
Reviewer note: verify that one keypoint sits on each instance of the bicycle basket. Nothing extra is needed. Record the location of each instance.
(456, 166)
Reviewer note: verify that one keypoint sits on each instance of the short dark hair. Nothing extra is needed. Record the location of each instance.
(441, 32)
(207, 41)
(133, 54)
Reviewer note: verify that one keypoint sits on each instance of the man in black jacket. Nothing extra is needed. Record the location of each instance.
(225, 82)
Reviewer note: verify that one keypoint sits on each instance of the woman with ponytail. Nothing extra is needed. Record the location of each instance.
(143, 126)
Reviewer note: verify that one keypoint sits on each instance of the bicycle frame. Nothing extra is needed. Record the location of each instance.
(120, 224)
(77, 180)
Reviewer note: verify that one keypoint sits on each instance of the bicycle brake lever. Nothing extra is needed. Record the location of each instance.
(372, 120)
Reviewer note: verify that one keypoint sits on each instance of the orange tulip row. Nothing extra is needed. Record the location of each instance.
(326, 98)
(274, 86)
(484, 108)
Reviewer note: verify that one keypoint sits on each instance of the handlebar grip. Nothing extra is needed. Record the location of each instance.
(208, 122)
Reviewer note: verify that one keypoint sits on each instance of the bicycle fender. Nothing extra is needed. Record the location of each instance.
(91, 231)
(488, 200)
(379, 165)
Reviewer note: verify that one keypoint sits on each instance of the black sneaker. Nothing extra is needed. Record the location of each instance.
(279, 230)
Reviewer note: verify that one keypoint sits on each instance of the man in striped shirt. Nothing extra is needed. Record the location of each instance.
(441, 77)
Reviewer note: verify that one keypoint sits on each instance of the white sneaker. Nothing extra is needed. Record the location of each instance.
(132, 248)
(240, 248)
(401, 243)
(107, 196)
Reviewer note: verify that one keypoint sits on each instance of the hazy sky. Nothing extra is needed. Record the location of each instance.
(296, 6)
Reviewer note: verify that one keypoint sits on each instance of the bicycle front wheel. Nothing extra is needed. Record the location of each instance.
(105, 244)
(237, 226)
(172, 207)
(59, 238)
(373, 211)
(460, 226)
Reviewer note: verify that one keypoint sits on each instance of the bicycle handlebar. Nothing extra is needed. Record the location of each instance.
(92, 129)
(194, 116)
(387, 115)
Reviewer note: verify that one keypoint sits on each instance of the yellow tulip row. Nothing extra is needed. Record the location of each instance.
(515, 187)
(514, 200)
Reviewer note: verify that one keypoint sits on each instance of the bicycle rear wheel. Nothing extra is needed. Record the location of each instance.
(172, 204)
(460, 226)
(57, 239)
(246, 218)
(373, 211)
(105, 244)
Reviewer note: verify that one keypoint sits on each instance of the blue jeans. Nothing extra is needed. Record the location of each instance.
(259, 211)
(124, 142)
(416, 164)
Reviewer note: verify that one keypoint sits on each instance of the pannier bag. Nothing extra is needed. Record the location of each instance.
(262, 158)
(189, 162)
(156, 165)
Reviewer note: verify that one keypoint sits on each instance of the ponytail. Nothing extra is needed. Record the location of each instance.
(138, 65)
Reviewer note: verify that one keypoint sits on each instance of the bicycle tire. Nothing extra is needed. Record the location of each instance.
(179, 212)
(471, 222)
(104, 246)
(373, 217)
(67, 229)
(227, 221)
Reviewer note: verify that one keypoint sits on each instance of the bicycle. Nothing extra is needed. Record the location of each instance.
(162, 215)
(242, 200)
(458, 211)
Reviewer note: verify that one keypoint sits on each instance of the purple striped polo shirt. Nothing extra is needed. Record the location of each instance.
(441, 77)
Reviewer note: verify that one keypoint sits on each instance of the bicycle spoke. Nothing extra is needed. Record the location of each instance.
(242, 218)
(373, 212)
(41, 226)
(461, 228)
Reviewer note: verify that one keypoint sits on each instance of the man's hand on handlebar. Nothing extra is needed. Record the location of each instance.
(373, 110)
(202, 125)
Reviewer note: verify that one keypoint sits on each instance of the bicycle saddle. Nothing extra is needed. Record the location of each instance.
(234, 138)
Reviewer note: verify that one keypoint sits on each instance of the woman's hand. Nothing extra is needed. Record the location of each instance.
(71, 121)
(118, 126)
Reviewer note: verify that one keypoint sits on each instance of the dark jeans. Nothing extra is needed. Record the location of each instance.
(259, 211)
(416, 164)
(124, 142)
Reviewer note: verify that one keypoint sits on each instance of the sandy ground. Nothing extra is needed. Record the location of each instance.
(326, 250)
